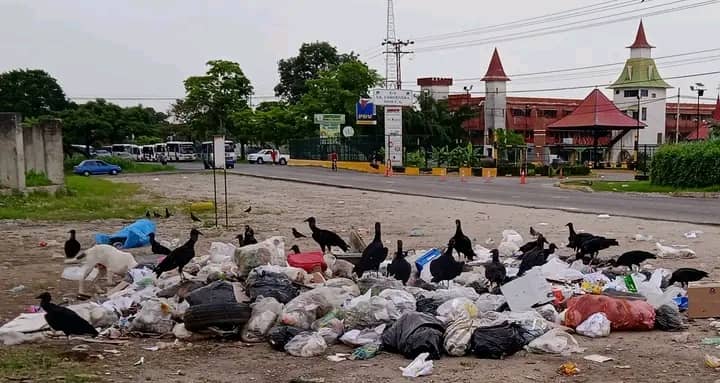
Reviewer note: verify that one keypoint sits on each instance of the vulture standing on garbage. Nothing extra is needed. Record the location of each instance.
(295, 249)
(462, 242)
(445, 267)
(249, 238)
(167, 213)
(536, 257)
(156, 247)
(373, 255)
(63, 319)
(147, 214)
(576, 239)
(593, 246)
(632, 258)
(399, 267)
(297, 234)
(72, 246)
(686, 275)
(537, 244)
(495, 271)
(180, 256)
(326, 238)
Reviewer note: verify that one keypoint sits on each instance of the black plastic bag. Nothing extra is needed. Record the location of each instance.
(278, 336)
(216, 292)
(668, 318)
(427, 305)
(498, 341)
(271, 285)
(414, 333)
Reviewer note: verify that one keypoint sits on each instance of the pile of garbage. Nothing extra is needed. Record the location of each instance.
(252, 293)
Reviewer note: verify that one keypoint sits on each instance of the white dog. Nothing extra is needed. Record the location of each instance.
(113, 260)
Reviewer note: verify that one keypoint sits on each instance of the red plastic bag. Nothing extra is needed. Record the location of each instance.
(624, 314)
(307, 261)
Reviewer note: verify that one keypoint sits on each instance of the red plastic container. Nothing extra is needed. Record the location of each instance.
(307, 261)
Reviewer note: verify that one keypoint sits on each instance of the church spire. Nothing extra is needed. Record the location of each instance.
(495, 71)
(641, 39)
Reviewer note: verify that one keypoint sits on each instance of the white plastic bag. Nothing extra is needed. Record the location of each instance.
(418, 367)
(306, 344)
(555, 341)
(458, 334)
(507, 248)
(489, 302)
(355, 338)
(403, 300)
(153, 317)
(512, 236)
(74, 273)
(595, 326)
(368, 311)
(457, 308)
(265, 312)
(674, 252)
(220, 251)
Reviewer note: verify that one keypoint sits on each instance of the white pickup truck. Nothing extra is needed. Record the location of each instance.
(265, 156)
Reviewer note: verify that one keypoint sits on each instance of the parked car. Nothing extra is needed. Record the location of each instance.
(89, 167)
(265, 156)
(101, 153)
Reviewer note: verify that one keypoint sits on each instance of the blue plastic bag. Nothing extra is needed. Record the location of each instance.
(131, 236)
(426, 258)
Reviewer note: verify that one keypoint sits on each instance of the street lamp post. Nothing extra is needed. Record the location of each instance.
(699, 88)
(637, 131)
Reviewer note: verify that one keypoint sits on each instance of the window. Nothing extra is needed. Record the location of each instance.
(518, 113)
(630, 93)
(643, 92)
(644, 114)
(634, 114)
(659, 138)
(617, 91)
(549, 113)
(653, 95)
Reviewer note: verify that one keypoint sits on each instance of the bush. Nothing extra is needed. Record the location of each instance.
(33, 178)
(415, 159)
(693, 164)
(70, 162)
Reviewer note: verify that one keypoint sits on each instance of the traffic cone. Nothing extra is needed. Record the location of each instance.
(523, 181)
(388, 169)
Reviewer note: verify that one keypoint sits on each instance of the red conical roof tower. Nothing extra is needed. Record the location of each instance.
(495, 71)
(641, 39)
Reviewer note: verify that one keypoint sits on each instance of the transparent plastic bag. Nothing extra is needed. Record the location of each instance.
(368, 311)
(355, 338)
(458, 335)
(306, 344)
(304, 309)
(595, 326)
(403, 300)
(264, 315)
(555, 341)
(489, 302)
(457, 308)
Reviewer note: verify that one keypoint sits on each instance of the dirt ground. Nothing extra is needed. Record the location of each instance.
(278, 206)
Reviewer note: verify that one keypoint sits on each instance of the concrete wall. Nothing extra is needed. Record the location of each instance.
(12, 156)
(53, 150)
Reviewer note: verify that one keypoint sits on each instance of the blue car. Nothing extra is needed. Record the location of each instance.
(89, 167)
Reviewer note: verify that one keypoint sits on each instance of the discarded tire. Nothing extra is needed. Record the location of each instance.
(223, 315)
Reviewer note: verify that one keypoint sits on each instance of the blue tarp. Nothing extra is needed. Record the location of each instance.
(134, 235)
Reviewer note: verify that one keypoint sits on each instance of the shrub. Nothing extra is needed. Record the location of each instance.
(70, 162)
(33, 178)
(687, 164)
(415, 159)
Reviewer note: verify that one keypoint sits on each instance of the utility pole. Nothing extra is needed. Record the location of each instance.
(699, 88)
(395, 49)
(677, 120)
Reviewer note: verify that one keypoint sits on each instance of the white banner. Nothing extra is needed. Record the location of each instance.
(393, 135)
(394, 97)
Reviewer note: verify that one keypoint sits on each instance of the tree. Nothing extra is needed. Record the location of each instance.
(312, 59)
(435, 122)
(31, 92)
(212, 98)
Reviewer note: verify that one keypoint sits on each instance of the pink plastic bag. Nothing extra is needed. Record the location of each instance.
(623, 314)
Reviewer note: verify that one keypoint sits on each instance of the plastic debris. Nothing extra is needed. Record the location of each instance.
(643, 237)
(527, 291)
(418, 367)
(306, 344)
(568, 369)
(140, 362)
(712, 361)
(674, 252)
(365, 352)
(597, 325)
(604, 216)
(693, 234)
(17, 289)
(555, 341)
(597, 358)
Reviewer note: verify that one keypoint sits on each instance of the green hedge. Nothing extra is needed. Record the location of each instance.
(687, 164)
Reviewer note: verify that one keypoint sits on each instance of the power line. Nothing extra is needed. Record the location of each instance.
(545, 30)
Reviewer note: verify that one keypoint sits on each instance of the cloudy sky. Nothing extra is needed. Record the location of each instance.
(146, 48)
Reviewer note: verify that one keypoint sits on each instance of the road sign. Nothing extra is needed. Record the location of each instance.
(348, 131)
(329, 130)
(393, 135)
(330, 119)
(394, 97)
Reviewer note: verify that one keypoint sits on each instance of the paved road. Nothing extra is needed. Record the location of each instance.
(538, 193)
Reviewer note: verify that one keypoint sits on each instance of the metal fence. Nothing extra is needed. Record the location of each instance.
(358, 148)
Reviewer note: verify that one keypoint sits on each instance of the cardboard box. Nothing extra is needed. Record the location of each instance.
(704, 300)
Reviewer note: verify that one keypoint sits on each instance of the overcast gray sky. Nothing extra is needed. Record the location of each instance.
(146, 48)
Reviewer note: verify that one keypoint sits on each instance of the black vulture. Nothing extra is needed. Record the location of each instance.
(537, 244)
(194, 218)
(249, 209)
(495, 270)
(326, 238)
(156, 214)
(373, 255)
(72, 246)
(533, 232)
(537, 257)
(295, 249)
(156, 247)
(63, 319)
(462, 242)
(249, 238)
(399, 267)
(593, 246)
(686, 275)
(297, 234)
(576, 239)
(632, 258)
(180, 256)
(147, 214)
(445, 267)
(167, 213)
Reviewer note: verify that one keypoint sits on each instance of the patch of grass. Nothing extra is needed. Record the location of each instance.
(33, 178)
(84, 198)
(127, 165)
(640, 187)
(45, 365)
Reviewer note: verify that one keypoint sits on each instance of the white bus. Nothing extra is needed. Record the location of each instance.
(207, 154)
(148, 153)
(180, 151)
(160, 152)
(130, 151)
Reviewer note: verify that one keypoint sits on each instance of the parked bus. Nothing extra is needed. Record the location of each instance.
(148, 153)
(208, 157)
(180, 151)
(130, 151)
(161, 152)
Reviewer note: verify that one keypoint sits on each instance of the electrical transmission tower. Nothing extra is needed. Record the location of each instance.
(393, 51)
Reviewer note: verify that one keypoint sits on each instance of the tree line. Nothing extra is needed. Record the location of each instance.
(318, 80)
